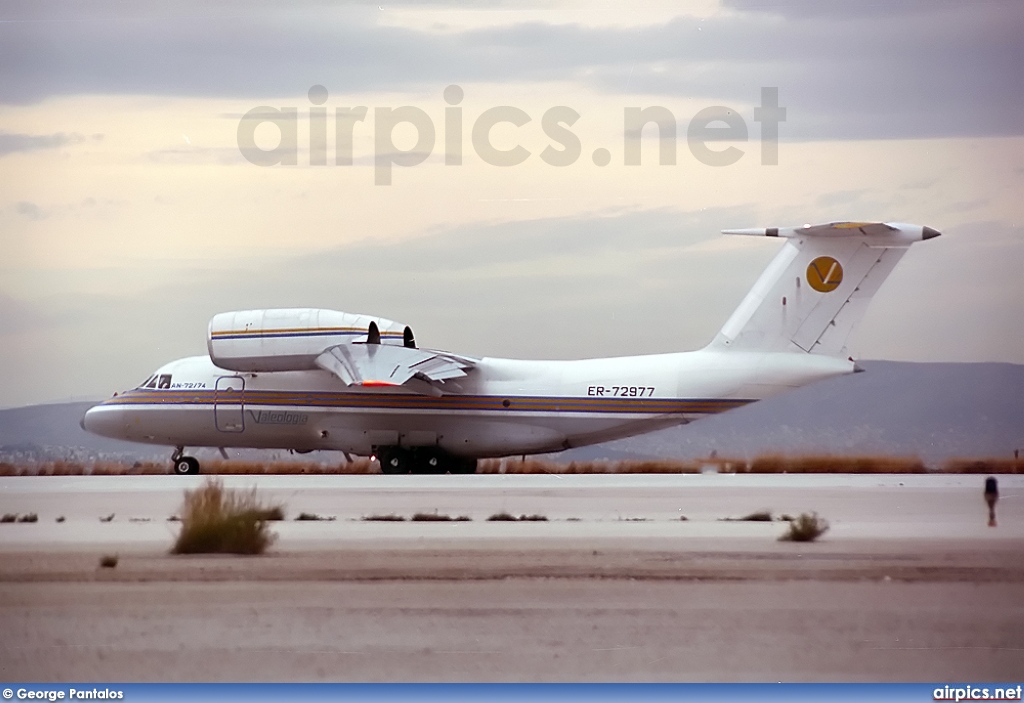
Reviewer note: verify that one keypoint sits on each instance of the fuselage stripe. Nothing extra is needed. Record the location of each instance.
(298, 332)
(383, 401)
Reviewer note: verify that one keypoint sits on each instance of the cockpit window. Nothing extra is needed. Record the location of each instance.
(157, 381)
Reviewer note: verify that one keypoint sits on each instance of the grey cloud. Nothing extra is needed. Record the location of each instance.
(21, 316)
(797, 9)
(224, 156)
(636, 282)
(11, 143)
(30, 210)
(846, 70)
(558, 287)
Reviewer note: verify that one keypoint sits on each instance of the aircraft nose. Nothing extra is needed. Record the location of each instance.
(928, 233)
(104, 421)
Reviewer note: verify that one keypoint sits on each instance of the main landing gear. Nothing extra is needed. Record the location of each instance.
(399, 460)
(183, 465)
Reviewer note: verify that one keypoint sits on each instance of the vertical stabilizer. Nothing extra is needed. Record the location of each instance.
(816, 290)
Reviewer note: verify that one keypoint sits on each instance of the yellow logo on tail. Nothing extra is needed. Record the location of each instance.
(824, 274)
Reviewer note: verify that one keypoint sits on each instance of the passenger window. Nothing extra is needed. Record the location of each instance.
(165, 381)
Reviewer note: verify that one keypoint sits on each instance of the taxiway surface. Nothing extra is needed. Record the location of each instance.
(909, 583)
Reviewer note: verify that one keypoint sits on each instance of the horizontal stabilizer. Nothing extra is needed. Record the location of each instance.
(374, 365)
(887, 234)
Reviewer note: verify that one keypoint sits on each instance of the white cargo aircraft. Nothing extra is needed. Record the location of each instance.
(306, 379)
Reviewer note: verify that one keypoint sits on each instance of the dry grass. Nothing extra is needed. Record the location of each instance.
(434, 517)
(805, 528)
(383, 518)
(509, 517)
(759, 516)
(765, 464)
(273, 513)
(219, 520)
(984, 466)
(230, 467)
(828, 464)
(540, 466)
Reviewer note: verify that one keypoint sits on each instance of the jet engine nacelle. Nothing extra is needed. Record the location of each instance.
(291, 339)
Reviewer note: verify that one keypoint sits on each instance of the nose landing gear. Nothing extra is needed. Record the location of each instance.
(183, 465)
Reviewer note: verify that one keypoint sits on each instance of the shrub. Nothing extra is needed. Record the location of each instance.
(805, 528)
(31, 517)
(219, 520)
(759, 516)
(509, 517)
(108, 561)
(434, 517)
(384, 518)
(9, 517)
(313, 517)
(274, 513)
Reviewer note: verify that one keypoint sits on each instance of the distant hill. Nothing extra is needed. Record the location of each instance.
(935, 411)
(46, 432)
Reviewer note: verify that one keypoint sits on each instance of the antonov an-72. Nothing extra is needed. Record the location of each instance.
(306, 379)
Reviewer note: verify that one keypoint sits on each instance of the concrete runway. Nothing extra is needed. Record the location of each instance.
(908, 585)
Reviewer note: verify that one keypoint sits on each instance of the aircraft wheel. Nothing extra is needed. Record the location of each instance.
(186, 465)
(430, 463)
(394, 461)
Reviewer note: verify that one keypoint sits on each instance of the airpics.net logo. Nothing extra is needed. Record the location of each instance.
(706, 133)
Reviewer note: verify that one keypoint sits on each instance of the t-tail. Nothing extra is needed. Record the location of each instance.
(815, 292)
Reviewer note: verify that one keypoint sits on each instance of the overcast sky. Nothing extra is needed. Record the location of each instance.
(128, 215)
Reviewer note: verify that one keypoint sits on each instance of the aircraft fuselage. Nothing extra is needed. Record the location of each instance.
(507, 407)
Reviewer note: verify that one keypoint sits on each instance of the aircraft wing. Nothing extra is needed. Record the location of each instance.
(421, 370)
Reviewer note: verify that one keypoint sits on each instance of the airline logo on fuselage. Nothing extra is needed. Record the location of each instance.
(278, 417)
(824, 274)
